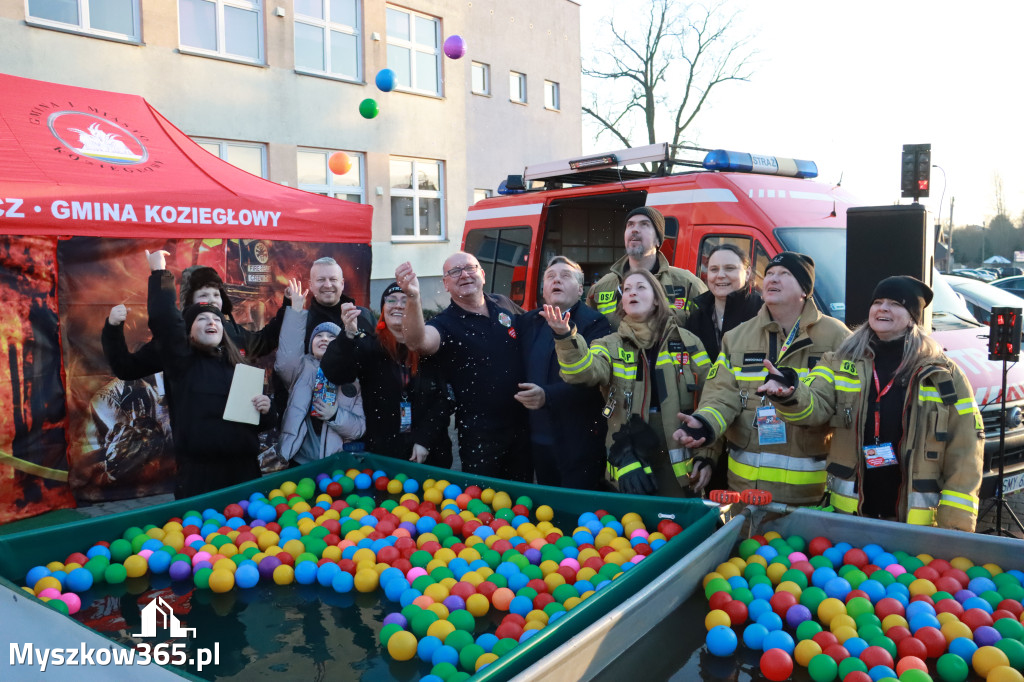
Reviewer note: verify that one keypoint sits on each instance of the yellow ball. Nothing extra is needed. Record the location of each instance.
(727, 570)
(440, 609)
(842, 620)
(440, 629)
(946, 617)
(436, 591)
(473, 578)
(43, 583)
(893, 620)
(707, 578)
(954, 629)
(226, 565)
(485, 659)
(402, 645)
(222, 580)
(394, 487)
(717, 617)
(286, 489)
(994, 569)
(544, 513)
(988, 658)
(844, 633)
(478, 605)
(55, 566)
(806, 650)
(135, 566)
(791, 587)
(1004, 673)
(775, 572)
(501, 500)
(829, 609)
(961, 563)
(486, 495)
(267, 539)
(332, 552)
(156, 533)
(922, 586)
(366, 580)
(284, 574)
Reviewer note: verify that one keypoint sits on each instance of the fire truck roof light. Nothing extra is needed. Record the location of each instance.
(623, 157)
(722, 160)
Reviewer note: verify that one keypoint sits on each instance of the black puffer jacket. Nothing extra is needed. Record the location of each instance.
(740, 306)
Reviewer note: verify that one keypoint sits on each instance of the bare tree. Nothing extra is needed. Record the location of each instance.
(671, 62)
(1000, 199)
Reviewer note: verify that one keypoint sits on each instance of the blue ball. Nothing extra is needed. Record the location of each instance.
(98, 550)
(737, 581)
(342, 582)
(874, 589)
(757, 607)
(325, 573)
(410, 485)
(386, 80)
(762, 591)
(425, 524)
(487, 641)
(822, 575)
(527, 634)
(753, 636)
(972, 603)
(395, 588)
(779, 639)
(520, 605)
(880, 671)
(856, 646)
(963, 647)
(872, 550)
(767, 551)
(722, 641)
(363, 481)
(80, 579)
(834, 555)
(247, 576)
(445, 654)
(408, 596)
(158, 562)
(979, 585)
(518, 582)
(305, 573)
(426, 647)
(452, 491)
(917, 607)
(771, 621)
(885, 559)
(838, 588)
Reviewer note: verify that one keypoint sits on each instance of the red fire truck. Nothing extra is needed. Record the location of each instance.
(763, 204)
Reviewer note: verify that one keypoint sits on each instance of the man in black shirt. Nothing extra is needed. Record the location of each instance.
(474, 341)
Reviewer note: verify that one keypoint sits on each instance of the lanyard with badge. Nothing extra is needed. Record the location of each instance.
(405, 406)
(770, 429)
(879, 454)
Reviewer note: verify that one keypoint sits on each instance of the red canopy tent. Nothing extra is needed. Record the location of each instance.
(88, 181)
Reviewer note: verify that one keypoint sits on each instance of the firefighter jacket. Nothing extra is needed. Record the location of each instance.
(620, 367)
(941, 452)
(681, 286)
(794, 471)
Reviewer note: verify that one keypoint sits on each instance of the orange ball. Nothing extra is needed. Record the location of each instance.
(339, 163)
(502, 597)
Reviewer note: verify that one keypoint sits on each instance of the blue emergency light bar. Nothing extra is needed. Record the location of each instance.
(722, 160)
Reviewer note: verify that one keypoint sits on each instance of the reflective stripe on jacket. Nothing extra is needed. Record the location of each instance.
(942, 451)
(681, 286)
(792, 471)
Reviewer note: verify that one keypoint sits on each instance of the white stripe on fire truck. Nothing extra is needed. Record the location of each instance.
(504, 212)
(692, 196)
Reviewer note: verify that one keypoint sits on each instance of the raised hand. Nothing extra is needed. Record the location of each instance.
(118, 314)
(692, 433)
(350, 317)
(296, 293)
(557, 320)
(419, 454)
(157, 259)
(777, 385)
(407, 279)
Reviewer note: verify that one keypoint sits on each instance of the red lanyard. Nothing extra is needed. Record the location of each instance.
(879, 392)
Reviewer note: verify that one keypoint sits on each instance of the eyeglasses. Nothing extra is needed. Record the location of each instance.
(468, 269)
(394, 300)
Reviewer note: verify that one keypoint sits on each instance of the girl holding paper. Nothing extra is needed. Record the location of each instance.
(199, 364)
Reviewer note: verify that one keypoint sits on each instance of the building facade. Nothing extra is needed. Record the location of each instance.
(277, 87)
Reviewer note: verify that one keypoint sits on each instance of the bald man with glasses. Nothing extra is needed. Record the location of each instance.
(474, 342)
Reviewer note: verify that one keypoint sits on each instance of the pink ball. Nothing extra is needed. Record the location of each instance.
(639, 533)
(454, 47)
(895, 569)
(200, 556)
(145, 553)
(415, 572)
(73, 602)
(49, 593)
(797, 556)
(192, 538)
(638, 558)
(571, 563)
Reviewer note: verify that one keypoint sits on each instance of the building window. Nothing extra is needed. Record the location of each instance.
(225, 28)
(249, 156)
(479, 194)
(414, 52)
(481, 79)
(417, 199)
(315, 175)
(105, 18)
(517, 87)
(327, 38)
(551, 97)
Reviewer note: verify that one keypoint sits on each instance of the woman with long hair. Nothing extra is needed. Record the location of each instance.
(404, 398)
(199, 361)
(908, 442)
(729, 300)
(648, 371)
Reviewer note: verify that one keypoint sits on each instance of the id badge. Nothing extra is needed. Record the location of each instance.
(405, 412)
(878, 456)
(770, 429)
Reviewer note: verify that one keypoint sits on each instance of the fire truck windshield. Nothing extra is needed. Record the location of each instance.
(827, 246)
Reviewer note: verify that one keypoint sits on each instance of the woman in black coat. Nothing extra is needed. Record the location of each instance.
(405, 400)
(729, 300)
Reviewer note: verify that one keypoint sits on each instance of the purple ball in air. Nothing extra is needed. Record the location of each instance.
(454, 47)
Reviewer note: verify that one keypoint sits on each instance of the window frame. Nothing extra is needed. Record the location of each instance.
(415, 47)
(557, 99)
(224, 145)
(522, 89)
(330, 189)
(756, 252)
(81, 29)
(328, 25)
(486, 69)
(221, 51)
(415, 193)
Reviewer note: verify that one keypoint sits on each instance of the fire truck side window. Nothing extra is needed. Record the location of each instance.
(711, 241)
(503, 254)
(761, 258)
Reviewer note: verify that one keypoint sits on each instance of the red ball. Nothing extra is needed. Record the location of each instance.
(856, 593)
(856, 557)
(232, 511)
(463, 590)
(317, 511)
(405, 543)
(719, 600)
(498, 523)
(542, 600)
(669, 529)
(975, 618)
(403, 564)
(332, 539)
(514, 618)
(388, 554)
(940, 565)
(538, 585)
(888, 606)
(594, 562)
(911, 646)
(947, 584)
(643, 548)
(1011, 605)
(600, 513)
(486, 588)
(431, 546)
(339, 505)
(520, 510)
(737, 611)
(836, 652)
(347, 565)
(509, 630)
(957, 575)
(485, 517)
(927, 598)
(825, 639)
(950, 606)
(760, 539)
(781, 601)
(286, 558)
(876, 655)
(411, 504)
(776, 665)
(933, 640)
(999, 614)
(927, 573)
(552, 538)
(502, 546)
(804, 567)
(818, 545)
(376, 535)
(897, 633)
(334, 489)
(567, 573)
(911, 663)
(381, 483)
(857, 676)
(474, 491)
(274, 527)
(870, 568)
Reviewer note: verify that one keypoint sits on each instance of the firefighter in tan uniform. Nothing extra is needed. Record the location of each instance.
(909, 441)
(788, 331)
(644, 234)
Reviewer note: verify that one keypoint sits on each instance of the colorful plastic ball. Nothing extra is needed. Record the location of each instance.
(986, 658)
(454, 47)
(426, 647)
(779, 639)
(753, 636)
(881, 672)
(368, 109)
(823, 668)
(342, 582)
(284, 574)
(951, 668)
(1004, 673)
(386, 80)
(247, 576)
(963, 647)
(776, 665)
(402, 645)
(722, 641)
(80, 579)
(1014, 651)
(339, 163)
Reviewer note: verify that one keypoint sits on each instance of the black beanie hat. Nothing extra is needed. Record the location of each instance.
(656, 218)
(198, 277)
(799, 265)
(911, 293)
(192, 312)
(392, 288)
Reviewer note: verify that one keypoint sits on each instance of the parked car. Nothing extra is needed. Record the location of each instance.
(981, 297)
(1011, 271)
(1015, 285)
(973, 273)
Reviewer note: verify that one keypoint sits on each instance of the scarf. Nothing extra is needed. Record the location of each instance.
(641, 333)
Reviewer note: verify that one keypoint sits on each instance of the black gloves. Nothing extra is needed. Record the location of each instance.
(629, 457)
(786, 376)
(704, 431)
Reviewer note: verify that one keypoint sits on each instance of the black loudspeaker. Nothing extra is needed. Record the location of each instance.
(882, 241)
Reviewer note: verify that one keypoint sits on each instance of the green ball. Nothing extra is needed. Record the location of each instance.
(796, 576)
(1007, 627)
(387, 631)
(503, 646)
(866, 620)
(411, 610)
(753, 571)
(420, 558)
(915, 675)
(551, 608)
(462, 620)
(714, 585)
(444, 670)
(748, 547)
(58, 605)
(368, 108)
(743, 594)
(459, 639)
(952, 668)
(201, 579)
(820, 561)
(992, 597)
(905, 578)
(421, 621)
(797, 543)
(458, 676)
(823, 668)
(859, 606)
(120, 550)
(807, 630)
(527, 592)
(532, 572)
(884, 577)
(423, 582)
(131, 533)
(978, 572)
(883, 642)
(115, 574)
(440, 573)
(528, 503)
(848, 665)
(505, 514)
(1014, 651)
(499, 580)
(469, 654)
(812, 597)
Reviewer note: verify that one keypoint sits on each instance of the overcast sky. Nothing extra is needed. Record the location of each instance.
(847, 84)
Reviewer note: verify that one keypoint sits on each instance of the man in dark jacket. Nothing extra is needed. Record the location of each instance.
(567, 431)
(327, 284)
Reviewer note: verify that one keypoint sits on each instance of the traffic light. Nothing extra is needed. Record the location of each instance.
(1004, 330)
(916, 170)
